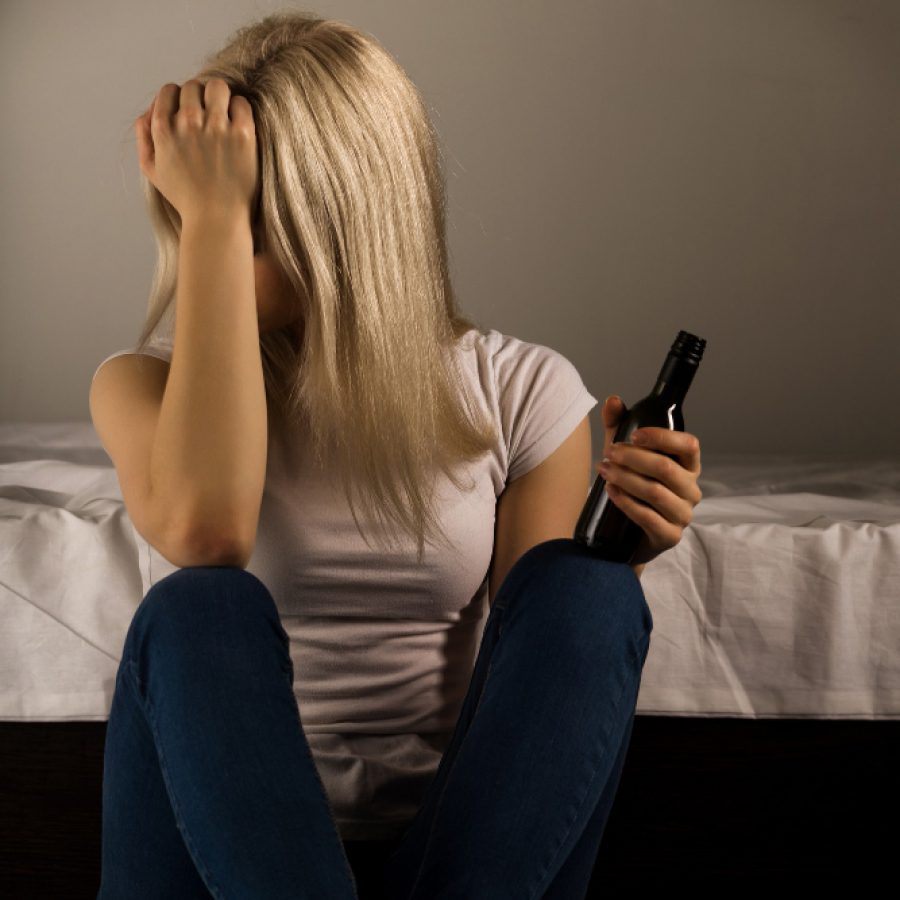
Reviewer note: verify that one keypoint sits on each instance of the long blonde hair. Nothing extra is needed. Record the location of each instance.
(352, 208)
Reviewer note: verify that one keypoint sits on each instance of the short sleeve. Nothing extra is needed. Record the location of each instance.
(542, 398)
(161, 348)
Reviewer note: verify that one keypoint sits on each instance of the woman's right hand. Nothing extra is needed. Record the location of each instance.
(197, 147)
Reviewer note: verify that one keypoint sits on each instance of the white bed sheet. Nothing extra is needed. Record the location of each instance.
(781, 600)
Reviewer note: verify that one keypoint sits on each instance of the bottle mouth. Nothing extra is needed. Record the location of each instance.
(689, 347)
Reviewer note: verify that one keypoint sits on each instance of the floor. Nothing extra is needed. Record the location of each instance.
(703, 805)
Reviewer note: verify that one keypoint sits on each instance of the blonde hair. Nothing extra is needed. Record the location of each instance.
(352, 208)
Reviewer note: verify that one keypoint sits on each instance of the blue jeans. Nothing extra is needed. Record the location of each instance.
(210, 788)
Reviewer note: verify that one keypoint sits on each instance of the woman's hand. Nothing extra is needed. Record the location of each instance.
(197, 146)
(668, 489)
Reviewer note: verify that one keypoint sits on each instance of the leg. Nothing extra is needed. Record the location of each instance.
(533, 764)
(574, 878)
(205, 686)
(143, 853)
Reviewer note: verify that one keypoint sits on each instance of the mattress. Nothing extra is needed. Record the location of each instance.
(782, 600)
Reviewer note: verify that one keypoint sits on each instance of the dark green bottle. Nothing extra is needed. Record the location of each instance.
(602, 526)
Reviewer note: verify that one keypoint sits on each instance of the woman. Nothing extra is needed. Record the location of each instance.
(296, 193)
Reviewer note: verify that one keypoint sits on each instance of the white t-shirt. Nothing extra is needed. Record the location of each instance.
(383, 648)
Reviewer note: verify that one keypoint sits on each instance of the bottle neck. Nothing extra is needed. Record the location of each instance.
(674, 379)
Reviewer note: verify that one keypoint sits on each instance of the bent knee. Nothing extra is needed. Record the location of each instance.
(572, 566)
(192, 591)
(564, 576)
(194, 580)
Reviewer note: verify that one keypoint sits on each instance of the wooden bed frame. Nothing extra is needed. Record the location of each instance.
(704, 804)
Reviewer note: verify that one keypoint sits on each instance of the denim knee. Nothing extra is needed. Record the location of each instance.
(574, 586)
(177, 606)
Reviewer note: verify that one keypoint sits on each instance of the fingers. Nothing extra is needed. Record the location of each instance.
(682, 444)
(672, 506)
(198, 99)
(613, 408)
(661, 532)
(144, 126)
(190, 102)
(217, 96)
(671, 475)
(142, 122)
(144, 138)
(242, 111)
(166, 105)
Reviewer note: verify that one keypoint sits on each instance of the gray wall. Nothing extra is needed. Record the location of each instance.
(617, 171)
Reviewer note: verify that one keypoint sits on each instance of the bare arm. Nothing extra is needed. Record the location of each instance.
(209, 452)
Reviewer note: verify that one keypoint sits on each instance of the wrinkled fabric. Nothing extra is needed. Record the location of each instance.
(782, 599)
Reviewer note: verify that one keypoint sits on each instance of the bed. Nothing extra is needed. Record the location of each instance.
(767, 722)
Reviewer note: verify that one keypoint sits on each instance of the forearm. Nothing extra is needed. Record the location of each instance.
(208, 460)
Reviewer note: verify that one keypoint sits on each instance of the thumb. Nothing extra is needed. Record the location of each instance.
(145, 147)
(613, 410)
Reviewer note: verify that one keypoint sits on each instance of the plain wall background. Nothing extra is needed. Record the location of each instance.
(616, 171)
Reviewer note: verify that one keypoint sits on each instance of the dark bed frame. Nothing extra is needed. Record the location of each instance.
(704, 804)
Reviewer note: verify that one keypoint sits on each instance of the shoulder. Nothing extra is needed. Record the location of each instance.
(156, 349)
(540, 397)
(520, 367)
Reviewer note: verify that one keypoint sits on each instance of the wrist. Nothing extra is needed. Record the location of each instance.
(217, 218)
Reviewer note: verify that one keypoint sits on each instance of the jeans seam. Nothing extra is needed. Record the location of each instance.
(440, 798)
(549, 863)
(147, 708)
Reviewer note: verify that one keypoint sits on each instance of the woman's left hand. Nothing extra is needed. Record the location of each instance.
(657, 493)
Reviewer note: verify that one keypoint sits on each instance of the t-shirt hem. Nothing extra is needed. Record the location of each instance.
(553, 437)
